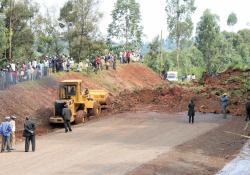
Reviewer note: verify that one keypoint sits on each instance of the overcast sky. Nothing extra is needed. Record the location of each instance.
(154, 16)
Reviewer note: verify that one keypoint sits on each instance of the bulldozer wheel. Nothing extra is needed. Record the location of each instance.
(108, 101)
(96, 109)
(79, 117)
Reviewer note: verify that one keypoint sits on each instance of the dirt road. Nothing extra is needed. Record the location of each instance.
(111, 146)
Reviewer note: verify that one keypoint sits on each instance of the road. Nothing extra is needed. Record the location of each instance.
(113, 145)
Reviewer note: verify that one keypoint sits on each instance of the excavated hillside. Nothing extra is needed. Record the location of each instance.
(201, 148)
(36, 98)
(131, 87)
(175, 98)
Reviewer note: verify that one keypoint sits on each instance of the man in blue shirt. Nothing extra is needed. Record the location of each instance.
(5, 130)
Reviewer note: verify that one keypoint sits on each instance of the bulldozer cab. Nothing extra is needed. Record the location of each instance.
(70, 89)
(67, 91)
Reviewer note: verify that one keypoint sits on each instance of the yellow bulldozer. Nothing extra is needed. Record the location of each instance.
(81, 103)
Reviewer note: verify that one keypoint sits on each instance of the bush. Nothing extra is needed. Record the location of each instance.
(246, 86)
(237, 93)
(234, 79)
(198, 90)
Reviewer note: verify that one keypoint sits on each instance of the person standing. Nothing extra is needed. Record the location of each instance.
(128, 56)
(98, 62)
(191, 111)
(29, 134)
(247, 111)
(66, 113)
(6, 130)
(12, 135)
(193, 77)
(224, 104)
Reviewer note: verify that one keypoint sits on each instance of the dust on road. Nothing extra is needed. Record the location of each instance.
(113, 145)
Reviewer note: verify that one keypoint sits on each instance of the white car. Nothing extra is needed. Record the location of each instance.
(172, 76)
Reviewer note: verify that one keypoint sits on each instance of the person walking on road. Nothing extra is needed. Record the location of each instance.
(29, 134)
(66, 113)
(6, 130)
(12, 135)
(191, 111)
(224, 104)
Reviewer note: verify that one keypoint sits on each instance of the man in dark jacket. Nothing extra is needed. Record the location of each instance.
(191, 111)
(248, 111)
(66, 113)
(29, 134)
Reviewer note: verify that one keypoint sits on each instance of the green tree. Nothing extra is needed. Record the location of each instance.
(194, 63)
(48, 39)
(232, 19)
(243, 46)
(158, 59)
(3, 41)
(126, 24)
(179, 22)
(68, 18)
(152, 58)
(207, 37)
(82, 16)
(21, 35)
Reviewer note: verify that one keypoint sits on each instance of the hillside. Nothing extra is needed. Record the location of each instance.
(175, 98)
(36, 98)
(131, 87)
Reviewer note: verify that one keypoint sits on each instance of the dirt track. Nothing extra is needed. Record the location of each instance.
(113, 145)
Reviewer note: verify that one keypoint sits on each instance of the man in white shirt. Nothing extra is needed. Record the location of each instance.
(12, 135)
(13, 66)
(34, 63)
(193, 77)
(46, 66)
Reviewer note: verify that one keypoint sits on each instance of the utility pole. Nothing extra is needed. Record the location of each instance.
(30, 11)
(161, 65)
(178, 35)
(127, 25)
(10, 32)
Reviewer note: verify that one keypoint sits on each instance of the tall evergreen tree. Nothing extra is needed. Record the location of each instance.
(179, 22)
(207, 37)
(232, 19)
(18, 21)
(82, 16)
(126, 24)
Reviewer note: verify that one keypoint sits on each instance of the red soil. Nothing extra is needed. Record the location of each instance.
(36, 98)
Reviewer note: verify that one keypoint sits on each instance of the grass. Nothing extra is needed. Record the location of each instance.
(217, 92)
(198, 90)
(234, 79)
(237, 93)
(240, 67)
(246, 86)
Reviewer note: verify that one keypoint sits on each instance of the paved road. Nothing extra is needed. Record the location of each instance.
(110, 146)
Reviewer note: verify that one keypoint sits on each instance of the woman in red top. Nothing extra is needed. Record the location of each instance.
(98, 62)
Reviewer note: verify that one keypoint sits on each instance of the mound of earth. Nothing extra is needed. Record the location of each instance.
(131, 87)
(235, 83)
(175, 98)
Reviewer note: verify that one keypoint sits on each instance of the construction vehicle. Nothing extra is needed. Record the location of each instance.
(82, 104)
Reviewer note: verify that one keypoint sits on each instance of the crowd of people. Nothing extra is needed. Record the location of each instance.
(35, 69)
(14, 73)
(110, 60)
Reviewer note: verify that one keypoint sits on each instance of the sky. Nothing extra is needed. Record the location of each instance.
(154, 16)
